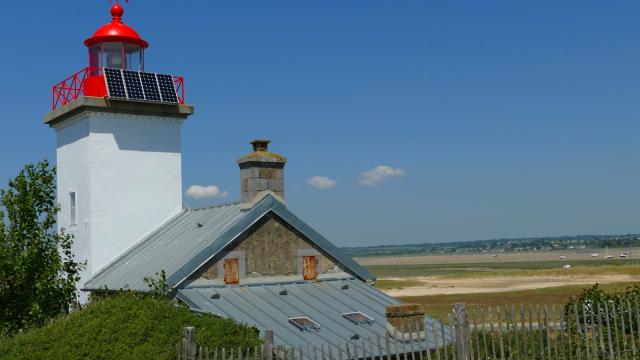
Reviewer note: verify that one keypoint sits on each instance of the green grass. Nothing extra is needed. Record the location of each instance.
(629, 266)
(124, 326)
(396, 284)
(440, 306)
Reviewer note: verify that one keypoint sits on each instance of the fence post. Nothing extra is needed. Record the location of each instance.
(189, 341)
(462, 332)
(267, 354)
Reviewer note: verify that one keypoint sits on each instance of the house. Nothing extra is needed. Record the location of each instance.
(120, 189)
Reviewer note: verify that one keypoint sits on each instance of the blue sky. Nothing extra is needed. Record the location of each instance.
(497, 119)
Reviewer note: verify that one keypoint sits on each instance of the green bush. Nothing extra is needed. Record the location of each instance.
(599, 305)
(125, 326)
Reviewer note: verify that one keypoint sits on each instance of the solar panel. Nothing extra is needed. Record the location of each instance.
(136, 85)
(167, 89)
(150, 86)
(133, 84)
(115, 84)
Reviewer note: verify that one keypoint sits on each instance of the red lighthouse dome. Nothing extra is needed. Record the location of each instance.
(114, 45)
(116, 31)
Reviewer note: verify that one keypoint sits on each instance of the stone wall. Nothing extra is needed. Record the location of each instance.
(271, 249)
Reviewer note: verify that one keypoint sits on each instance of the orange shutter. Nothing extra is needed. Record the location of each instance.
(231, 271)
(310, 267)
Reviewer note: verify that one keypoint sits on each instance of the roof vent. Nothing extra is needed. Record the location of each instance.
(344, 287)
(215, 296)
(283, 292)
(199, 225)
(354, 337)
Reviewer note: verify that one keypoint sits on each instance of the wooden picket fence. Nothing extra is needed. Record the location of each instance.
(607, 331)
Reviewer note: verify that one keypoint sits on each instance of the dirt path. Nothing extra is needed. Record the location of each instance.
(434, 285)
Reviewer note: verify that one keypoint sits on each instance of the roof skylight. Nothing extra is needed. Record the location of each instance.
(305, 324)
(358, 318)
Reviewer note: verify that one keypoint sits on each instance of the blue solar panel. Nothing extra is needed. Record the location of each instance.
(150, 86)
(136, 85)
(133, 84)
(115, 84)
(167, 89)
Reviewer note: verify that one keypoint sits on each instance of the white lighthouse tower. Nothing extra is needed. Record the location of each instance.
(118, 146)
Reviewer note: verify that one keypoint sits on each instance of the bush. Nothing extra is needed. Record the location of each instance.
(599, 304)
(125, 326)
(38, 272)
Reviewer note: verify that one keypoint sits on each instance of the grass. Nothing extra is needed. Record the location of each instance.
(629, 266)
(396, 284)
(633, 270)
(440, 306)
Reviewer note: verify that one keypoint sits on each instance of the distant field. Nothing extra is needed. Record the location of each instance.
(440, 305)
(483, 280)
(508, 257)
(440, 269)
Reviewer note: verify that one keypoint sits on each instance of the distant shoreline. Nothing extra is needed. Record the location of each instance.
(578, 243)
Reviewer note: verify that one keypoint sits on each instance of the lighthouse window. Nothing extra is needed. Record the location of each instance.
(133, 57)
(72, 208)
(94, 59)
(113, 53)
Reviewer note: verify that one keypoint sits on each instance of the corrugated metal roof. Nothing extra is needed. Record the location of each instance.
(186, 242)
(168, 248)
(324, 302)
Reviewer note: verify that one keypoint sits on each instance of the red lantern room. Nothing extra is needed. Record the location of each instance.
(114, 45)
(117, 46)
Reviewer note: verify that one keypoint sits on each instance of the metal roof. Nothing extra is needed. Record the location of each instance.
(270, 306)
(186, 242)
(168, 248)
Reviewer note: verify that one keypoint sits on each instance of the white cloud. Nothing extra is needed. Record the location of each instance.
(379, 174)
(321, 182)
(200, 192)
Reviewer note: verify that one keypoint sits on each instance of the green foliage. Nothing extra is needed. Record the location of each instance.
(595, 306)
(38, 273)
(125, 326)
(158, 287)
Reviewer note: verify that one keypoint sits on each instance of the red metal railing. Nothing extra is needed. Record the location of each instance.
(69, 89)
(178, 83)
(72, 87)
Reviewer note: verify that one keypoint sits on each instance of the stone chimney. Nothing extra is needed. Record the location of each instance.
(261, 170)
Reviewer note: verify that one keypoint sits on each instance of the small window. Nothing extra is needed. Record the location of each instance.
(358, 318)
(231, 271)
(309, 267)
(305, 324)
(72, 208)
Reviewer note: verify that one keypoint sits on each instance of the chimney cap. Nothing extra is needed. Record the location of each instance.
(261, 154)
(260, 144)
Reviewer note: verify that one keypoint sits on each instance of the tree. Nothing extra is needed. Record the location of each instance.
(38, 273)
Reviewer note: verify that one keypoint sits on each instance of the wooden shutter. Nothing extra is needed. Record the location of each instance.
(310, 267)
(231, 271)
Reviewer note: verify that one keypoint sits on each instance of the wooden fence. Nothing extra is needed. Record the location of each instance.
(607, 331)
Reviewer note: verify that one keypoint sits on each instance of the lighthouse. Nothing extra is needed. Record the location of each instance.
(118, 130)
